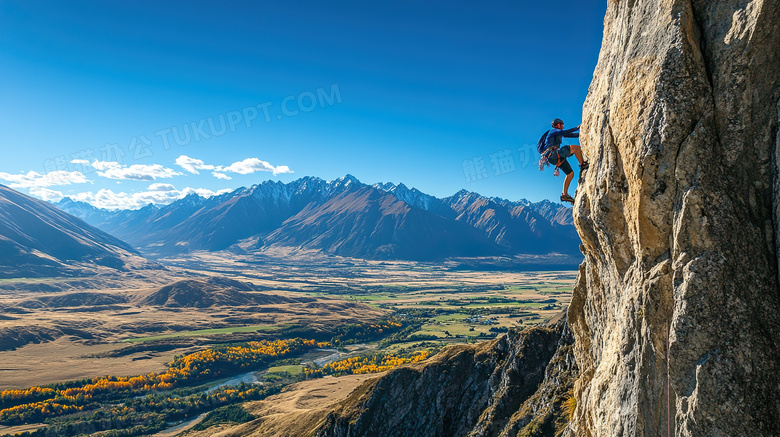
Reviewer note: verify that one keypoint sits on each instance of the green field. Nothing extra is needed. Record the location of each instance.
(533, 305)
(455, 328)
(231, 330)
(519, 300)
(292, 369)
(413, 345)
(450, 317)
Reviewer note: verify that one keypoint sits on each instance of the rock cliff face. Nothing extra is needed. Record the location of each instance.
(679, 217)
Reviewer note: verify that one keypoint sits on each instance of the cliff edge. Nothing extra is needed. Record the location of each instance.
(679, 215)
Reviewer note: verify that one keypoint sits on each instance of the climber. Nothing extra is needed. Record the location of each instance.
(556, 155)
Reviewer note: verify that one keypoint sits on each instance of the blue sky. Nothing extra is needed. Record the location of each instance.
(100, 100)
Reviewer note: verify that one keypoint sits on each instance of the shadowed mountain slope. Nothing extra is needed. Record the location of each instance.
(517, 226)
(369, 223)
(38, 239)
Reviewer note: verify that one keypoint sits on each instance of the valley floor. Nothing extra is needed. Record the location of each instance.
(55, 330)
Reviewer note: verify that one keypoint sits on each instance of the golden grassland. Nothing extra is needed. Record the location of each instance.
(378, 289)
(299, 406)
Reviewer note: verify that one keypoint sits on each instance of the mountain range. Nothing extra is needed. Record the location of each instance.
(37, 239)
(342, 217)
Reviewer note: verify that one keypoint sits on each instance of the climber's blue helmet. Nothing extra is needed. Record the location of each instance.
(556, 122)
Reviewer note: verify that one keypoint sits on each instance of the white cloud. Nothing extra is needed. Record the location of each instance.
(106, 165)
(46, 194)
(158, 194)
(161, 187)
(135, 172)
(247, 166)
(192, 165)
(108, 199)
(35, 179)
(203, 192)
(251, 165)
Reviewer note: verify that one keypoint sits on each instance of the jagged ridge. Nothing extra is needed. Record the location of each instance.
(344, 217)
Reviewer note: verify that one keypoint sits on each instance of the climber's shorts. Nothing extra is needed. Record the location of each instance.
(564, 152)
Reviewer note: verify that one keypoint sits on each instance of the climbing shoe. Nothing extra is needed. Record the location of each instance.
(567, 198)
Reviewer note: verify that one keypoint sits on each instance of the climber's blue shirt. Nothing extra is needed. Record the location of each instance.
(555, 136)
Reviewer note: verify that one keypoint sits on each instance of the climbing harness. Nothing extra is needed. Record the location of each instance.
(543, 160)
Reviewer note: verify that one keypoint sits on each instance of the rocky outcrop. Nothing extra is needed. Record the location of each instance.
(676, 311)
(547, 412)
(541, 414)
(516, 383)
